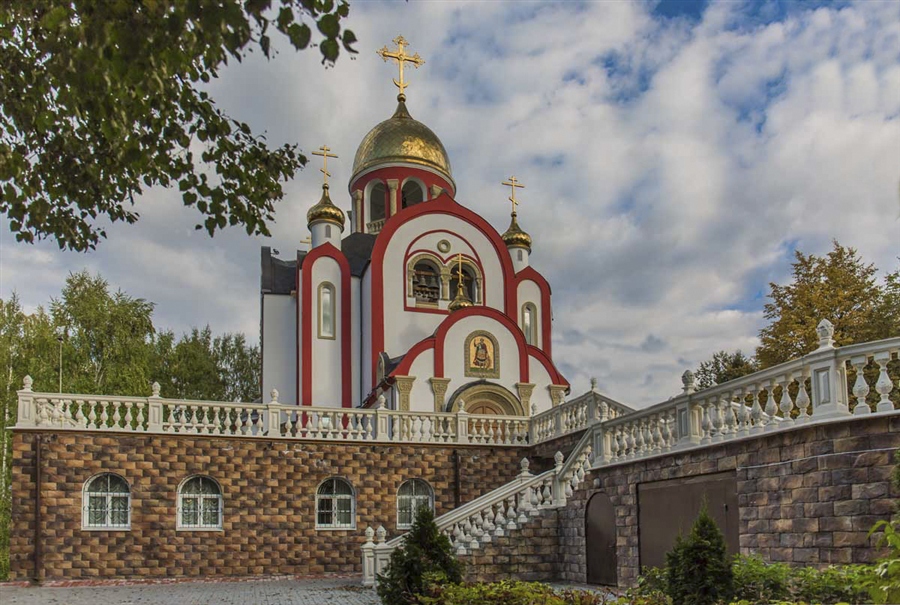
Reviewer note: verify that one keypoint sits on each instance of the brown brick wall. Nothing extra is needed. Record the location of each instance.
(269, 501)
(526, 554)
(804, 497)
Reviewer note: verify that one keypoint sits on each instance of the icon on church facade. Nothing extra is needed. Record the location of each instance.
(482, 354)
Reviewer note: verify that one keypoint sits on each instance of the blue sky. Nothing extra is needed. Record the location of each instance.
(674, 155)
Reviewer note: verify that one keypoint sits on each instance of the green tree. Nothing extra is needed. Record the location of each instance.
(723, 367)
(425, 557)
(101, 100)
(699, 569)
(838, 287)
(239, 367)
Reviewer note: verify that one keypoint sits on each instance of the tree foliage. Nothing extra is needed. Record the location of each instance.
(699, 569)
(425, 557)
(839, 287)
(110, 347)
(723, 367)
(101, 100)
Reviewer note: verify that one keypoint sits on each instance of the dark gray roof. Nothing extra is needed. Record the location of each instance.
(278, 276)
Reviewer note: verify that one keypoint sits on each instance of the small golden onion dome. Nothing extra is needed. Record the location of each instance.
(460, 302)
(514, 237)
(401, 139)
(325, 210)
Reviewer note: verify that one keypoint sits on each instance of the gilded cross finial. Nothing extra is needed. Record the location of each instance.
(323, 153)
(513, 184)
(401, 57)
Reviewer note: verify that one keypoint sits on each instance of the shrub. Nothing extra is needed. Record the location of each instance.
(699, 568)
(757, 582)
(424, 558)
(882, 583)
(829, 585)
(508, 593)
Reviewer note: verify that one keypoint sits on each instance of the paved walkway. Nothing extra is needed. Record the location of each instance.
(255, 592)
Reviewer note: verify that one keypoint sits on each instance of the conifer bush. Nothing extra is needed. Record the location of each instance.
(425, 557)
(699, 569)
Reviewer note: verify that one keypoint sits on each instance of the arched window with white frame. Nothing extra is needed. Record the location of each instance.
(106, 502)
(412, 193)
(200, 504)
(471, 283)
(529, 323)
(326, 310)
(377, 203)
(335, 505)
(412, 495)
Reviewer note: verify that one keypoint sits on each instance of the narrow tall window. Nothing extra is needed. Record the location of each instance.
(200, 504)
(326, 311)
(107, 503)
(529, 323)
(377, 202)
(335, 505)
(412, 495)
(411, 194)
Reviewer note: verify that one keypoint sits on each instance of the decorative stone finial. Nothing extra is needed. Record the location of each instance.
(825, 330)
(380, 405)
(370, 533)
(593, 383)
(534, 409)
(26, 383)
(687, 379)
(274, 395)
(380, 534)
(558, 459)
(462, 405)
(155, 388)
(524, 465)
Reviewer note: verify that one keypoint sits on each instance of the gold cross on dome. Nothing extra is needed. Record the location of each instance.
(323, 153)
(513, 183)
(401, 57)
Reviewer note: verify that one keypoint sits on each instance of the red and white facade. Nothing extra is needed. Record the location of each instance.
(369, 314)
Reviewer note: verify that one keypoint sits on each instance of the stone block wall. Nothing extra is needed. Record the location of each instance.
(526, 554)
(806, 497)
(269, 501)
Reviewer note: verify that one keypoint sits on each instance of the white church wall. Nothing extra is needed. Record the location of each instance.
(365, 312)
(355, 324)
(538, 376)
(421, 398)
(327, 374)
(454, 352)
(468, 241)
(279, 354)
(528, 291)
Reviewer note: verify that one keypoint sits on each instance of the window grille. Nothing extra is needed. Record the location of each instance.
(335, 505)
(200, 504)
(107, 503)
(412, 495)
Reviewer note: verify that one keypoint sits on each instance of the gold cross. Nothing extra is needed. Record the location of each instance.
(401, 57)
(513, 183)
(459, 272)
(323, 153)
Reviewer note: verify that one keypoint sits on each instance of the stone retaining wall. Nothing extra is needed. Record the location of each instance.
(269, 501)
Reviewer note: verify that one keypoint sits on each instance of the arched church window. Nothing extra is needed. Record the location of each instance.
(106, 503)
(529, 323)
(426, 283)
(470, 283)
(335, 505)
(412, 495)
(412, 194)
(326, 310)
(377, 202)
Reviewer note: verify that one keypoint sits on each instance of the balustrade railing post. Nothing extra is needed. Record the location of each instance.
(462, 423)
(26, 415)
(155, 410)
(382, 421)
(829, 378)
(273, 416)
(368, 558)
(557, 487)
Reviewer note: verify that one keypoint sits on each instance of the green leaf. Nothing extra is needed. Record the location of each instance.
(330, 50)
(299, 35)
(329, 25)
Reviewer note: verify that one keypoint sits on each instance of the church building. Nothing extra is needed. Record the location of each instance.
(411, 295)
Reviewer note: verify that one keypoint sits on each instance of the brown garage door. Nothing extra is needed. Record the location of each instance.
(667, 508)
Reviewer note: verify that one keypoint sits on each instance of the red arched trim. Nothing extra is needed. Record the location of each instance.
(441, 336)
(406, 363)
(443, 204)
(541, 356)
(326, 250)
(400, 174)
(529, 274)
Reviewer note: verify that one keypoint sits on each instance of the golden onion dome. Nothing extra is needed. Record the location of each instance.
(401, 139)
(515, 237)
(325, 210)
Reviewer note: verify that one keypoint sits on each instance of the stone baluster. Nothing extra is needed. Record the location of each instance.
(884, 386)
(716, 420)
(756, 411)
(785, 404)
(500, 520)
(860, 387)
(803, 397)
(705, 426)
(771, 409)
(511, 523)
(743, 414)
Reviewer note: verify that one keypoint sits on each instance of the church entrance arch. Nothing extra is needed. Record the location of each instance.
(486, 398)
(600, 541)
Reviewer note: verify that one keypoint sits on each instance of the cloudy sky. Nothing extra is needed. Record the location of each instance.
(675, 154)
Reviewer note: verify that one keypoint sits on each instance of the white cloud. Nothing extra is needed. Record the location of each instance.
(670, 167)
